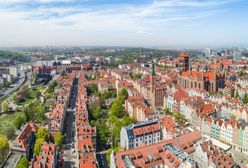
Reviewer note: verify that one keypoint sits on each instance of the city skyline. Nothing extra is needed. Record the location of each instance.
(148, 23)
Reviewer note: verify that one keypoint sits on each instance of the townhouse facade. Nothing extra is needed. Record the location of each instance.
(145, 132)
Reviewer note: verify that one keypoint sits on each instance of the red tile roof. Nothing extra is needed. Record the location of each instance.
(46, 158)
(140, 155)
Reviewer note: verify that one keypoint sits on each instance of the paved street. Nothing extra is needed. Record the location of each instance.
(102, 160)
(25, 80)
(12, 161)
(68, 150)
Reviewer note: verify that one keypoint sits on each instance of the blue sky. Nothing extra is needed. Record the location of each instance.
(145, 23)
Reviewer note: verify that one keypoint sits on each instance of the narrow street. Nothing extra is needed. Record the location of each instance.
(68, 148)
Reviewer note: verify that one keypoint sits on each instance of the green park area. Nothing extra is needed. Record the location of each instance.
(109, 119)
(29, 108)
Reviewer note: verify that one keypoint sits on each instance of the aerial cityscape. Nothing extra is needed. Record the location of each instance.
(123, 84)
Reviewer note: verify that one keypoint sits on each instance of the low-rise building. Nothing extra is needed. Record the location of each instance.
(171, 153)
(146, 132)
(24, 143)
(47, 157)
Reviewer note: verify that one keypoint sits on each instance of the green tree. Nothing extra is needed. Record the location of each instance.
(23, 163)
(109, 151)
(237, 95)
(52, 86)
(115, 132)
(5, 107)
(37, 146)
(179, 118)
(136, 75)
(117, 109)
(4, 147)
(167, 112)
(245, 99)
(242, 73)
(8, 131)
(97, 112)
(102, 131)
(92, 89)
(92, 123)
(58, 139)
(42, 133)
(123, 93)
(127, 121)
(18, 121)
(105, 95)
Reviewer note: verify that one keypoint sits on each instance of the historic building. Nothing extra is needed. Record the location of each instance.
(157, 91)
(207, 80)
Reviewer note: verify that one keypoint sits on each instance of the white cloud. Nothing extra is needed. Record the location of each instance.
(24, 1)
(112, 24)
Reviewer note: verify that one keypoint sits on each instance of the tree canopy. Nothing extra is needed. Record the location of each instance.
(4, 147)
(23, 163)
(18, 121)
(58, 139)
(37, 146)
(117, 109)
(245, 99)
(167, 112)
(5, 107)
(42, 133)
(179, 118)
(123, 95)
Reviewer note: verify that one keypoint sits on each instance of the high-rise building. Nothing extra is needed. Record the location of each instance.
(208, 52)
(237, 55)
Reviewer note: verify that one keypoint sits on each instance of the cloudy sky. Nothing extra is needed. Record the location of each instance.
(146, 23)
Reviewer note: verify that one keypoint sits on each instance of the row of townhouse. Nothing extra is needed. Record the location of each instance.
(147, 132)
(207, 155)
(23, 146)
(226, 122)
(137, 108)
(48, 153)
(86, 135)
(62, 96)
(231, 132)
(151, 86)
(176, 152)
(106, 84)
(47, 157)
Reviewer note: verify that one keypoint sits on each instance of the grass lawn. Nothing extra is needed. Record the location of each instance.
(26, 102)
(6, 122)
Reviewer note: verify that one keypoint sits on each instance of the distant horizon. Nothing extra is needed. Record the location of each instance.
(116, 47)
(140, 23)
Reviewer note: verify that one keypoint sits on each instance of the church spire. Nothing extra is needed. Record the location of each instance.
(153, 70)
(215, 73)
(153, 74)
